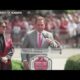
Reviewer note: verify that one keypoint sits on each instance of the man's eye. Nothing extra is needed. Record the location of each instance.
(40, 24)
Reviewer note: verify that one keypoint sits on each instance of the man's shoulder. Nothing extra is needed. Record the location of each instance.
(46, 32)
(30, 32)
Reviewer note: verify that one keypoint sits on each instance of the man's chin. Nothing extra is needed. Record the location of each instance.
(40, 30)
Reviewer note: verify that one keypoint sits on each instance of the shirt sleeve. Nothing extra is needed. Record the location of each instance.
(53, 43)
(10, 50)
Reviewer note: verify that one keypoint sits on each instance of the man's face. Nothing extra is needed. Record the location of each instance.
(40, 25)
(2, 30)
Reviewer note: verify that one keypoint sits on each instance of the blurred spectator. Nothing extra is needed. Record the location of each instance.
(23, 25)
(64, 30)
(49, 25)
(16, 30)
(57, 31)
(72, 26)
(78, 32)
(31, 23)
(65, 27)
(8, 25)
(64, 24)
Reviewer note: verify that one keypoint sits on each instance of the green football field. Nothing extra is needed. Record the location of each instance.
(17, 65)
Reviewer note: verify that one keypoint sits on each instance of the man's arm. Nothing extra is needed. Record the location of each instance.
(52, 42)
(10, 50)
(10, 53)
(25, 42)
(25, 45)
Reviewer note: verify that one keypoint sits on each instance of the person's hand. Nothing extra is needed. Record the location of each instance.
(49, 41)
(52, 42)
(4, 59)
(55, 44)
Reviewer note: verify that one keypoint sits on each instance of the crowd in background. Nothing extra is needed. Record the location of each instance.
(64, 27)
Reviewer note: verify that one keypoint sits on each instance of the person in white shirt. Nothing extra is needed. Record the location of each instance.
(72, 26)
